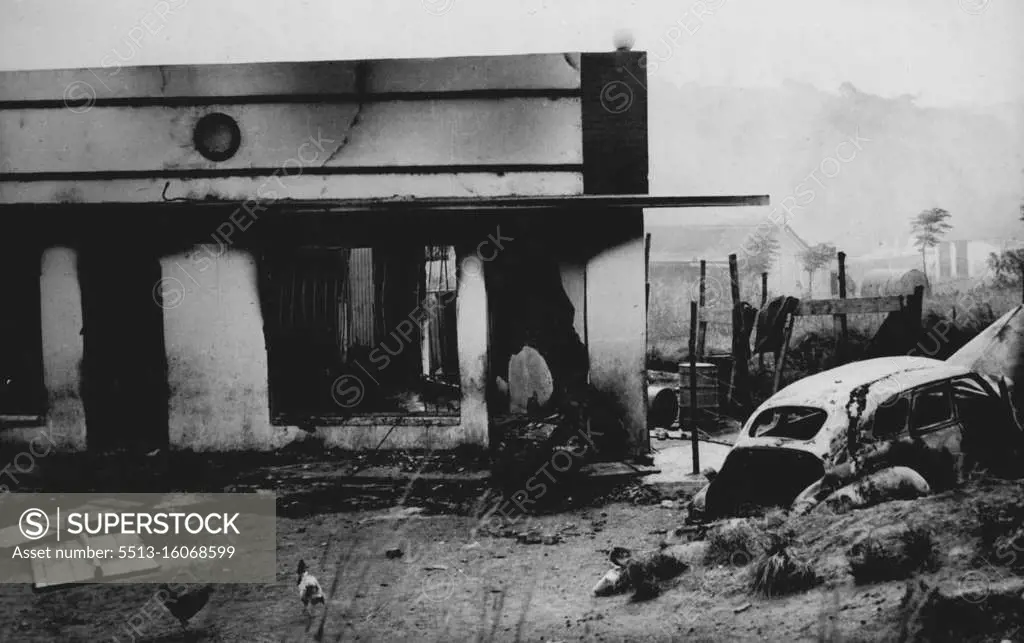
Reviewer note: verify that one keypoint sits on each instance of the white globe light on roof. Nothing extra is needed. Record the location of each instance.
(624, 40)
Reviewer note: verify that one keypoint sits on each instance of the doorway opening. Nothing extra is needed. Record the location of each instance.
(124, 368)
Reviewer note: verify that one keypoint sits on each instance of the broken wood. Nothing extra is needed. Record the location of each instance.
(856, 306)
(693, 387)
(780, 358)
(702, 330)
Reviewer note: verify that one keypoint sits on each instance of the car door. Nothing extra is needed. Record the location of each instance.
(933, 417)
(933, 420)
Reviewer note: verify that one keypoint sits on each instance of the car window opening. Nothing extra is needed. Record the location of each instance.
(795, 423)
(932, 407)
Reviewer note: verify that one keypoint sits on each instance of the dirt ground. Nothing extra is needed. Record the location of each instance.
(462, 580)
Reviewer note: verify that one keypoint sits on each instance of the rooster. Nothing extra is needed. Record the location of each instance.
(309, 588)
(183, 606)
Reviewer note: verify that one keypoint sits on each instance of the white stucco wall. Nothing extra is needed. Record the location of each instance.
(216, 354)
(616, 329)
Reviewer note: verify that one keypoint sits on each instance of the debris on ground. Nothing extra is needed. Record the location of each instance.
(892, 553)
(781, 571)
(893, 483)
(963, 613)
(397, 513)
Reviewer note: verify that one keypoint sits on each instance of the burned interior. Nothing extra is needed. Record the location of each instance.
(385, 314)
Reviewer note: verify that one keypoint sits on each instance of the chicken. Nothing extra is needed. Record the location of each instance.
(183, 606)
(310, 592)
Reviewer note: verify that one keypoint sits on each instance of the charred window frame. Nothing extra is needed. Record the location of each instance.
(23, 397)
(932, 408)
(365, 331)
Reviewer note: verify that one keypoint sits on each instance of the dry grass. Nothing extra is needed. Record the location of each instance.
(1001, 533)
(736, 542)
(780, 571)
(872, 561)
(962, 315)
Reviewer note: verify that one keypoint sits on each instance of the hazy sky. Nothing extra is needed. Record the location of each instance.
(943, 51)
(964, 53)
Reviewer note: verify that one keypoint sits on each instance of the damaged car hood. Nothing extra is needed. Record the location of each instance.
(846, 394)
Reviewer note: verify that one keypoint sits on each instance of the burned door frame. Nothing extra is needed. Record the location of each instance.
(124, 385)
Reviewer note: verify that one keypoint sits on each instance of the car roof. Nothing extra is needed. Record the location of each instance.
(833, 386)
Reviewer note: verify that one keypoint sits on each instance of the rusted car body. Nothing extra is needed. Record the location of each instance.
(821, 421)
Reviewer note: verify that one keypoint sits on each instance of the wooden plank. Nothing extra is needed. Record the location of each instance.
(126, 566)
(53, 572)
(112, 81)
(738, 393)
(694, 429)
(617, 469)
(780, 358)
(295, 138)
(856, 306)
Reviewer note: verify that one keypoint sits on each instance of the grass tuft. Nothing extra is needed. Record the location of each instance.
(876, 559)
(780, 571)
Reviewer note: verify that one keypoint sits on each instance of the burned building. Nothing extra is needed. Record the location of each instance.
(233, 256)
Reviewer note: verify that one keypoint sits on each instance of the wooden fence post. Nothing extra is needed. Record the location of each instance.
(780, 356)
(915, 309)
(738, 379)
(647, 271)
(702, 329)
(764, 301)
(693, 387)
(839, 321)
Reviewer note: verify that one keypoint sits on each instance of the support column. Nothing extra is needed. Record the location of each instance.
(471, 329)
(63, 347)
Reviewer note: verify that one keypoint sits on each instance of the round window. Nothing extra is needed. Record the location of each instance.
(217, 136)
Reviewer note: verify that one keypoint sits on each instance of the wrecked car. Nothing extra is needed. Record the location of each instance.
(829, 420)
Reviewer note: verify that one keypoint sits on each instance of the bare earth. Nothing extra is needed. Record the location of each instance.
(454, 584)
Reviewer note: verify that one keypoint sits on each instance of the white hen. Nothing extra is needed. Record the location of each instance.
(310, 592)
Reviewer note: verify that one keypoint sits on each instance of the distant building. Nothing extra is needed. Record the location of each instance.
(676, 252)
(954, 261)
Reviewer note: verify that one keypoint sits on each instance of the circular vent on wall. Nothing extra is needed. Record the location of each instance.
(217, 136)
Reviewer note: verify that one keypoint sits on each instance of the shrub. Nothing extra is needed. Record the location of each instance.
(735, 542)
(779, 571)
(893, 556)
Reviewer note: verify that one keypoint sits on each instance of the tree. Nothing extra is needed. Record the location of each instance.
(760, 251)
(1007, 267)
(757, 255)
(815, 258)
(928, 227)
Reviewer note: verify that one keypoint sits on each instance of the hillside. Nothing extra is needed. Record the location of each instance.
(707, 140)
